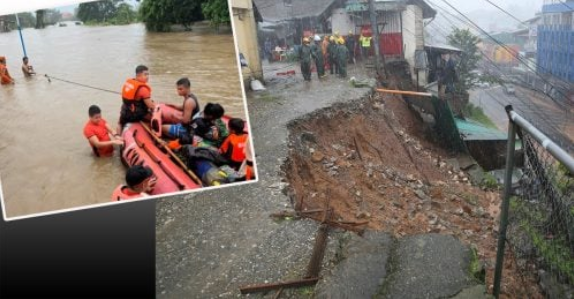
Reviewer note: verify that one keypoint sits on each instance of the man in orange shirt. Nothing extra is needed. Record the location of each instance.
(140, 181)
(98, 132)
(5, 77)
(136, 96)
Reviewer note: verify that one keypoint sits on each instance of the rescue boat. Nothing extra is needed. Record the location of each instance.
(142, 146)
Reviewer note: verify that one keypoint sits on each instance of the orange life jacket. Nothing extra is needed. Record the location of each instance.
(130, 89)
(5, 77)
(235, 147)
(119, 194)
(134, 108)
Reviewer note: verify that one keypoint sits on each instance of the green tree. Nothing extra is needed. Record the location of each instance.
(125, 14)
(160, 15)
(216, 11)
(467, 42)
(97, 12)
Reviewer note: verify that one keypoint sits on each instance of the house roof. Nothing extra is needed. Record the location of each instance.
(391, 5)
(471, 130)
(281, 10)
(443, 48)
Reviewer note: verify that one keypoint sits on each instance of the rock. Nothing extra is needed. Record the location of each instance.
(459, 211)
(308, 137)
(420, 194)
(317, 157)
(362, 215)
(433, 219)
(478, 212)
(411, 178)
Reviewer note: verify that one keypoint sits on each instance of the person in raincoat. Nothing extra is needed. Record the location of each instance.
(318, 55)
(332, 50)
(342, 57)
(351, 42)
(305, 55)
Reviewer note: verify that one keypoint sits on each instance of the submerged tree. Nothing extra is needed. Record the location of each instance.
(98, 11)
(160, 15)
(467, 42)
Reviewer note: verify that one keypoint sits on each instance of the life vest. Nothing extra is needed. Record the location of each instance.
(119, 194)
(249, 173)
(366, 41)
(234, 147)
(134, 108)
(5, 77)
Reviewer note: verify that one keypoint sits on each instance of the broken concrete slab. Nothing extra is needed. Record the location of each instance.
(474, 292)
(362, 269)
(428, 266)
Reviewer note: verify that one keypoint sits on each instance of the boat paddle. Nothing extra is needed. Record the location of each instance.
(172, 154)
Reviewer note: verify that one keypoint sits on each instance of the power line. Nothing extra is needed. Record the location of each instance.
(504, 11)
(510, 51)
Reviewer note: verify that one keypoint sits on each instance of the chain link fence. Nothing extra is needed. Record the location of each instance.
(537, 219)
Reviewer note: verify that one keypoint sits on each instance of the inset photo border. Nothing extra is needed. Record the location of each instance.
(108, 102)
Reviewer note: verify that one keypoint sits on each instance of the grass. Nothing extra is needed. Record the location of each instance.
(477, 114)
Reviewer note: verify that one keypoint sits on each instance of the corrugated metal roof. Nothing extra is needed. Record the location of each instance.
(443, 47)
(471, 130)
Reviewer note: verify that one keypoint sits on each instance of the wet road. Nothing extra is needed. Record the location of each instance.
(550, 118)
(45, 162)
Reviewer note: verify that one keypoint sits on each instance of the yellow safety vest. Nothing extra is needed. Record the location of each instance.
(366, 41)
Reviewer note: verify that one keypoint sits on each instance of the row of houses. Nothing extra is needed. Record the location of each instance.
(400, 24)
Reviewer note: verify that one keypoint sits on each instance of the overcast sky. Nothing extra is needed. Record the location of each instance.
(471, 5)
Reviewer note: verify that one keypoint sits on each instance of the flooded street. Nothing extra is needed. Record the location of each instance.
(46, 163)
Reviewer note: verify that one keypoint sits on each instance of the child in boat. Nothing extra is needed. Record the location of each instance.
(98, 133)
(140, 181)
(207, 128)
(233, 148)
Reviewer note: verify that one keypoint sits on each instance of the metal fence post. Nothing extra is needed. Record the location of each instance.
(505, 202)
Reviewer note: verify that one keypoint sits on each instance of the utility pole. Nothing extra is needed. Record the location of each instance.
(20, 32)
(375, 29)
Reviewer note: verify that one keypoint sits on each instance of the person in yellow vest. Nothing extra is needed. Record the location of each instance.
(365, 42)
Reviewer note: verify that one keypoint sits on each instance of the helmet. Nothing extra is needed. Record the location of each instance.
(317, 38)
(341, 41)
(332, 38)
(306, 40)
(350, 32)
(336, 33)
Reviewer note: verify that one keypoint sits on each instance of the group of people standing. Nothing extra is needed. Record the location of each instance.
(5, 77)
(332, 52)
(194, 124)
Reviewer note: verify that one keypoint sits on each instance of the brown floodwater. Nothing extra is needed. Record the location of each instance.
(46, 163)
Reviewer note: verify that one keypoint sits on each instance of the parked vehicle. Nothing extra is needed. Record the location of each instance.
(509, 89)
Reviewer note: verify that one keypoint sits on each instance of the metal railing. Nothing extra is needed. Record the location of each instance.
(537, 213)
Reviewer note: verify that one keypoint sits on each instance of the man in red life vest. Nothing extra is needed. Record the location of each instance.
(136, 96)
(98, 133)
(140, 181)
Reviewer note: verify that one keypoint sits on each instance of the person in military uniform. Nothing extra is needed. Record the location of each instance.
(318, 55)
(342, 57)
(305, 55)
(332, 50)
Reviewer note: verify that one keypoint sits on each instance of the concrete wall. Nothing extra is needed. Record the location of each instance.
(341, 21)
(413, 38)
(245, 29)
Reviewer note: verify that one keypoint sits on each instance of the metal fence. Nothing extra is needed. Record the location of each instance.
(537, 215)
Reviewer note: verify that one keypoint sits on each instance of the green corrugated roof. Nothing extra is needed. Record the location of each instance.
(471, 130)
